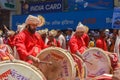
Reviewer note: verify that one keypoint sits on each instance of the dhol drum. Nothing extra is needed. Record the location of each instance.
(97, 62)
(81, 72)
(62, 67)
(19, 70)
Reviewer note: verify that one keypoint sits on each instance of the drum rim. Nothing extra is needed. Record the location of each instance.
(68, 56)
(24, 64)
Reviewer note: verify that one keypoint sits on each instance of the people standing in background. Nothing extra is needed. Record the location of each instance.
(111, 44)
(117, 45)
(101, 41)
(1, 38)
(11, 37)
(107, 32)
(61, 38)
(76, 43)
(69, 33)
(28, 42)
(114, 33)
(8, 36)
(44, 34)
(85, 36)
(52, 41)
(91, 44)
(5, 34)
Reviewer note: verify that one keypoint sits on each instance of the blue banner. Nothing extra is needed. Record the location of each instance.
(42, 7)
(116, 18)
(98, 19)
(90, 4)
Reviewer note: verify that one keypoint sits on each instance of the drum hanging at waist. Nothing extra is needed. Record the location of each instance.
(62, 67)
(100, 62)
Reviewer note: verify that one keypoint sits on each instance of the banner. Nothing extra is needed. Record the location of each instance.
(98, 19)
(42, 7)
(116, 18)
(90, 4)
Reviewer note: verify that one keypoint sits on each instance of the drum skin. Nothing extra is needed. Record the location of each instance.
(97, 62)
(62, 67)
(81, 72)
(19, 70)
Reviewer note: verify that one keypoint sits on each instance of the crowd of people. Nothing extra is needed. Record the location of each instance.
(27, 42)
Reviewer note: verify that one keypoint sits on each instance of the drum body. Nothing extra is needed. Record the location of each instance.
(81, 71)
(19, 70)
(97, 62)
(62, 67)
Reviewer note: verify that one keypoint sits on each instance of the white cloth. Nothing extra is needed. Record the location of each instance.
(21, 27)
(32, 20)
(80, 27)
(1, 40)
(62, 40)
(117, 46)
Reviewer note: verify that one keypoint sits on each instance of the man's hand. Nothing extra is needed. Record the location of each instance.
(37, 60)
(84, 60)
(34, 59)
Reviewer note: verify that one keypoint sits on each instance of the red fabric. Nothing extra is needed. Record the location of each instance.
(11, 41)
(76, 43)
(86, 39)
(114, 60)
(55, 42)
(101, 43)
(28, 44)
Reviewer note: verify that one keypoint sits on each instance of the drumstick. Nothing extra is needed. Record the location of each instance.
(5, 28)
(35, 59)
(88, 62)
(78, 54)
(45, 62)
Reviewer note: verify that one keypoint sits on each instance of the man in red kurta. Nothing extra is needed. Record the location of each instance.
(100, 42)
(76, 42)
(52, 41)
(28, 42)
(86, 39)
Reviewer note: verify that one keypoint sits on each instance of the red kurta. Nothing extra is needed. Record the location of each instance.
(101, 43)
(86, 39)
(11, 41)
(28, 44)
(76, 43)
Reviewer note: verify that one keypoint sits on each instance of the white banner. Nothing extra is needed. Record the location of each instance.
(116, 18)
